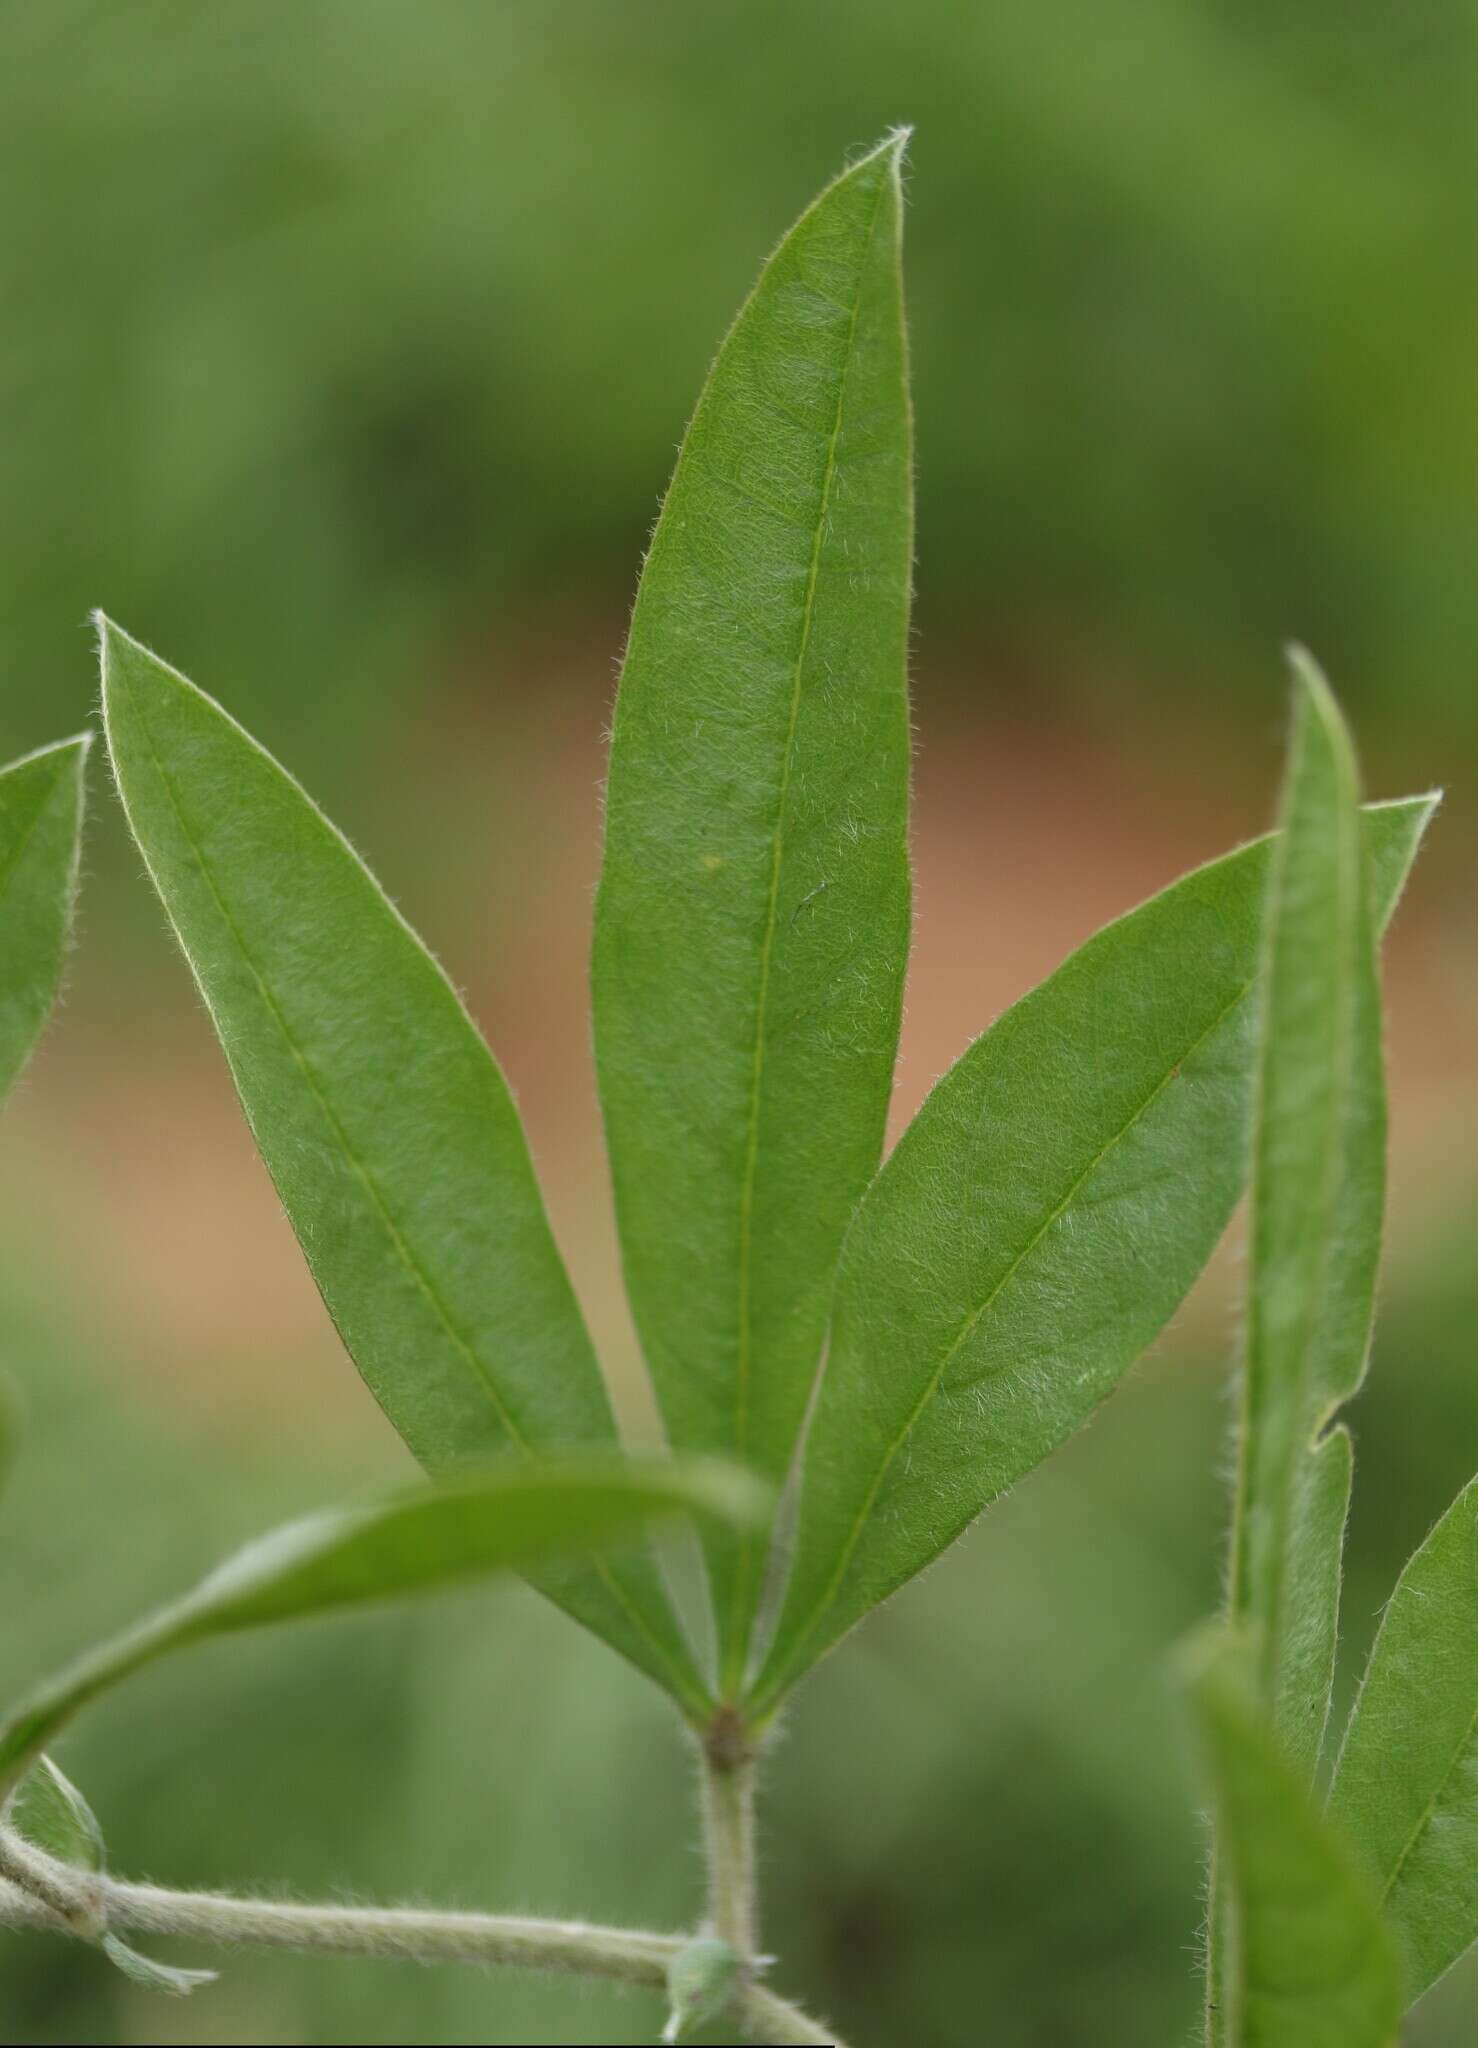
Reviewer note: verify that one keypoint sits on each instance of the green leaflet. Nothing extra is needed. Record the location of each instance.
(504, 1521)
(1318, 1186)
(40, 836)
(382, 1117)
(1318, 1183)
(1310, 1964)
(1406, 1788)
(1041, 1218)
(752, 926)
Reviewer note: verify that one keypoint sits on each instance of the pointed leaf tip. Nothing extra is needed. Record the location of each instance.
(892, 147)
(105, 630)
(1314, 697)
(41, 805)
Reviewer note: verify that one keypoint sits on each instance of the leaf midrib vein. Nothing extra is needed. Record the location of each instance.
(407, 1257)
(743, 1358)
(1429, 1811)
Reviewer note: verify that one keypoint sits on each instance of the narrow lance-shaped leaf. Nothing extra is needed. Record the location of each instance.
(1040, 1220)
(1406, 1788)
(752, 926)
(40, 832)
(507, 1521)
(1318, 1177)
(1318, 1185)
(1310, 1963)
(382, 1117)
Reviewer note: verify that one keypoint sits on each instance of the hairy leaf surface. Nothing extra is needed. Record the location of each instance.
(1406, 1788)
(752, 925)
(505, 1521)
(53, 1815)
(1310, 1963)
(382, 1117)
(1318, 1188)
(1039, 1221)
(40, 831)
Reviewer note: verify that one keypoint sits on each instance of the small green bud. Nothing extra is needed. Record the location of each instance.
(701, 1980)
(51, 1813)
(53, 1816)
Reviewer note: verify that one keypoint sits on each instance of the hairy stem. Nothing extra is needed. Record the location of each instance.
(39, 1894)
(43, 1893)
(71, 1900)
(775, 2021)
(728, 1774)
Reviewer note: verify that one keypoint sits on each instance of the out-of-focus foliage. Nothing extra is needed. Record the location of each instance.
(335, 329)
(414, 1543)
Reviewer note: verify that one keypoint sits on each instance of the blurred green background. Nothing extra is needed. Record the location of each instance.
(345, 350)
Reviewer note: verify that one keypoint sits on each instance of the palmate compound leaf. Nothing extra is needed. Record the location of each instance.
(1039, 1221)
(1309, 1962)
(1406, 1786)
(506, 1520)
(40, 837)
(752, 925)
(383, 1119)
(1317, 1195)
